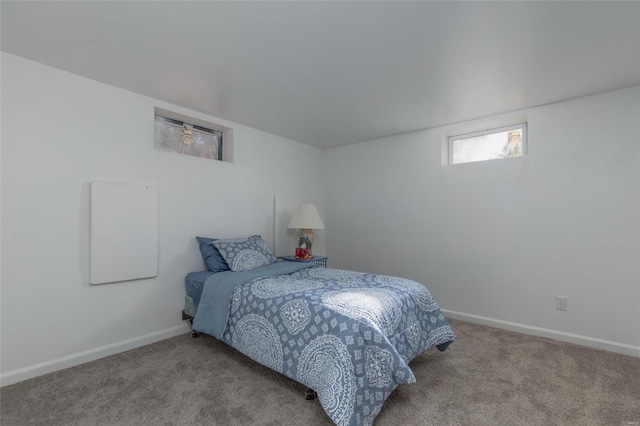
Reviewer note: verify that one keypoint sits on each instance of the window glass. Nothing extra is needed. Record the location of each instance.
(183, 138)
(503, 142)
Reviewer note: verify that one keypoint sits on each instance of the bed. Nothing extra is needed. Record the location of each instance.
(347, 335)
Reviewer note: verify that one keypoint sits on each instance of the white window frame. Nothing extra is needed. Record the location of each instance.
(227, 132)
(521, 125)
(186, 125)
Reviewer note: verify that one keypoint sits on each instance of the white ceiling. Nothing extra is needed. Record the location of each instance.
(336, 73)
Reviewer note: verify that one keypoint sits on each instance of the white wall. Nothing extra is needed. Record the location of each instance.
(60, 132)
(495, 241)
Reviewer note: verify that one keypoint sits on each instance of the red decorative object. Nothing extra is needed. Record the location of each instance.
(302, 253)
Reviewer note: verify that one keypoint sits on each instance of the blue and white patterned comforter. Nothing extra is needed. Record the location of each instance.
(347, 335)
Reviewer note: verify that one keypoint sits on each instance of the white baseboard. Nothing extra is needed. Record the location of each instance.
(577, 339)
(68, 361)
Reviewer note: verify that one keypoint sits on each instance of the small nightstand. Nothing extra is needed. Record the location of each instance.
(317, 260)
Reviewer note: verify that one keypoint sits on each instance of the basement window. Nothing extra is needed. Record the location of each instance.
(491, 144)
(185, 138)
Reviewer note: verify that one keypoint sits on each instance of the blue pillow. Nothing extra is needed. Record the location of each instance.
(245, 254)
(211, 255)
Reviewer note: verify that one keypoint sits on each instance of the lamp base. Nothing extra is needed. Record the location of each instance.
(305, 241)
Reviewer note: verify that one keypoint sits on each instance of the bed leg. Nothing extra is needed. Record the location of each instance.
(310, 394)
(443, 347)
(186, 316)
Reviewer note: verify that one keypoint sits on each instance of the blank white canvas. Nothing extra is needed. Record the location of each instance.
(124, 232)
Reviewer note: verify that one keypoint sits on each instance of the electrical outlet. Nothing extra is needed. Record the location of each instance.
(561, 303)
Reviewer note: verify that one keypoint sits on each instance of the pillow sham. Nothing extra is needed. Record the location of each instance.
(245, 254)
(211, 256)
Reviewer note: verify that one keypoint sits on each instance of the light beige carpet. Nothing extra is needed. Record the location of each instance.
(487, 377)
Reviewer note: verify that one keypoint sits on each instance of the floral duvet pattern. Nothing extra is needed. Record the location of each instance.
(347, 335)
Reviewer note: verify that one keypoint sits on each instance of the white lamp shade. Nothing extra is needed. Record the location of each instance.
(306, 216)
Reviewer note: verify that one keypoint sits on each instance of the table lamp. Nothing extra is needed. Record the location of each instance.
(306, 218)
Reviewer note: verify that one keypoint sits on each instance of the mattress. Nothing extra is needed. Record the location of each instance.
(194, 282)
